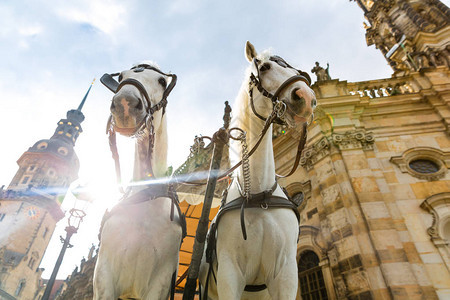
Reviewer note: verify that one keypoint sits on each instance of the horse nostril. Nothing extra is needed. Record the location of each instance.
(295, 97)
(139, 105)
(314, 103)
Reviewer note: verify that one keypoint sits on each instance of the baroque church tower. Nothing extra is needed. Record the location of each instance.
(411, 34)
(30, 206)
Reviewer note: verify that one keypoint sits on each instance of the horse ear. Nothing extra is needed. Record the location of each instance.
(250, 51)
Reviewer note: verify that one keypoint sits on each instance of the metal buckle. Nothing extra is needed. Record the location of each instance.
(280, 108)
(138, 69)
(280, 61)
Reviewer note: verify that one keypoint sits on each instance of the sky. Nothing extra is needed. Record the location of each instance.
(51, 50)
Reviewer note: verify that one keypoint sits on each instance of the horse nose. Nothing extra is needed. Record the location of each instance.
(297, 97)
(304, 104)
(125, 103)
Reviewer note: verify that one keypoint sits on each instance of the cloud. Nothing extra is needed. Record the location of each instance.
(183, 7)
(30, 30)
(107, 16)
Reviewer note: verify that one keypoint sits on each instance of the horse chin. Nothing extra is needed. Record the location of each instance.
(295, 120)
(127, 126)
(128, 132)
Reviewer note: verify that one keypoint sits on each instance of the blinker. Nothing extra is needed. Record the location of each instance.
(109, 82)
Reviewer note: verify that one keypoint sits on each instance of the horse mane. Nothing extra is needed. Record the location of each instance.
(241, 107)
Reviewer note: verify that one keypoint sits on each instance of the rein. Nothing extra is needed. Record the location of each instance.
(147, 122)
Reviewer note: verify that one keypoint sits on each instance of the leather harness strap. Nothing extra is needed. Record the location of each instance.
(151, 193)
(264, 200)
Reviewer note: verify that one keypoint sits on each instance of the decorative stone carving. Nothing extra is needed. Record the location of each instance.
(436, 156)
(341, 289)
(314, 153)
(357, 281)
(358, 139)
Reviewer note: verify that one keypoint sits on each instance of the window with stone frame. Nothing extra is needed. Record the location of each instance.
(439, 231)
(25, 180)
(20, 287)
(299, 193)
(44, 234)
(31, 168)
(423, 162)
(312, 283)
(31, 263)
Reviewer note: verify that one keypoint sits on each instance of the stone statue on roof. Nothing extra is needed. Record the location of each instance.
(321, 73)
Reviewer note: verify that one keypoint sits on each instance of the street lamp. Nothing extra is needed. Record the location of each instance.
(74, 221)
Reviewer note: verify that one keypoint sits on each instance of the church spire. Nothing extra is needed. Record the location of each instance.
(85, 96)
(69, 129)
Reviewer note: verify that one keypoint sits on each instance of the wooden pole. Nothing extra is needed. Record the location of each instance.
(220, 138)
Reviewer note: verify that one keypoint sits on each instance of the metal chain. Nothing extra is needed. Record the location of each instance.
(245, 165)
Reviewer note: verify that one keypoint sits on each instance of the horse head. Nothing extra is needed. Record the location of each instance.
(279, 87)
(140, 98)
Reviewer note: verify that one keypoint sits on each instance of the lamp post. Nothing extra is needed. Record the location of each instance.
(74, 221)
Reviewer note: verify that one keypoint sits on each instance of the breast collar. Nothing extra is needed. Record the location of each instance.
(263, 200)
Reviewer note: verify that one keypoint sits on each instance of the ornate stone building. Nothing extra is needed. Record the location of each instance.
(30, 207)
(375, 187)
(78, 285)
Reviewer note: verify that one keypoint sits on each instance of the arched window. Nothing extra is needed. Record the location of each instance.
(312, 284)
(20, 287)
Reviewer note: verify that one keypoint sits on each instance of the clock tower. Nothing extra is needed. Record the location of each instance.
(30, 206)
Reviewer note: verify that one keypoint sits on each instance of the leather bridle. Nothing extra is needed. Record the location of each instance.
(147, 123)
(256, 81)
(114, 86)
(277, 113)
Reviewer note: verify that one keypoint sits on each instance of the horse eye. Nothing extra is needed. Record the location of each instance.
(265, 67)
(162, 82)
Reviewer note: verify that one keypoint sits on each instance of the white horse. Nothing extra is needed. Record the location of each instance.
(139, 242)
(268, 256)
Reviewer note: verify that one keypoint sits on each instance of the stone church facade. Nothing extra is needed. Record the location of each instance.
(375, 184)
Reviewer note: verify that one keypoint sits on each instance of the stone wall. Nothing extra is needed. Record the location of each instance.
(371, 218)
